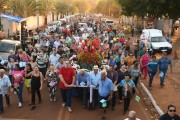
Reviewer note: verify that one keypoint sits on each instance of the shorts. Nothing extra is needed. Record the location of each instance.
(27, 83)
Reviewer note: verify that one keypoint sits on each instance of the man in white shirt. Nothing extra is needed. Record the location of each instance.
(85, 35)
(57, 43)
(54, 58)
(5, 86)
(76, 38)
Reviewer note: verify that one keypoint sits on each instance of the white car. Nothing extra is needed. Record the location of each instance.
(157, 40)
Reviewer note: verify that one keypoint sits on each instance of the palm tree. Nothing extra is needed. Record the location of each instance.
(46, 6)
(23, 8)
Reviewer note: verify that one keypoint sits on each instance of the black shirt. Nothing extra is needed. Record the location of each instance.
(121, 75)
(167, 117)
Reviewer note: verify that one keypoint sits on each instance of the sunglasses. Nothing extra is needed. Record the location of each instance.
(172, 110)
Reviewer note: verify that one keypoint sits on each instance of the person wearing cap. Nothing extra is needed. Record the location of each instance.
(132, 116)
(163, 63)
(128, 86)
(5, 86)
(83, 81)
(95, 75)
(113, 76)
(170, 114)
(67, 80)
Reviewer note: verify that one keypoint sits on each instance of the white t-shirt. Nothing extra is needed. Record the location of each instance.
(56, 44)
(84, 36)
(76, 38)
(54, 59)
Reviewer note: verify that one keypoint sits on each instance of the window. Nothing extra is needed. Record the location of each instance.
(158, 39)
(5, 47)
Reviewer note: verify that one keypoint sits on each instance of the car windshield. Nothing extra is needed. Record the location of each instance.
(109, 22)
(5, 47)
(158, 39)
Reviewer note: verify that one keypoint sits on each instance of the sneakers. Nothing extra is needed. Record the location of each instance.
(20, 105)
(54, 100)
(63, 104)
(69, 109)
(51, 99)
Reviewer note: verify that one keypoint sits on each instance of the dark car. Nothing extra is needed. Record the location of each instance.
(7, 45)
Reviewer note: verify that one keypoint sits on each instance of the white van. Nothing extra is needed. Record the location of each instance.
(157, 40)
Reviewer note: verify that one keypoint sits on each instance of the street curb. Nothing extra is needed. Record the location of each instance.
(158, 109)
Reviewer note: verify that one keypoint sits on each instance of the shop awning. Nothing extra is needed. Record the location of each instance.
(12, 18)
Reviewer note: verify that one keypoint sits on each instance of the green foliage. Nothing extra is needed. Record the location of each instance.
(23, 8)
(154, 8)
(108, 7)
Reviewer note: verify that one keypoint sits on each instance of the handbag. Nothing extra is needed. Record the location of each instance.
(52, 84)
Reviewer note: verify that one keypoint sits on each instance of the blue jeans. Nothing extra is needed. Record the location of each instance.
(162, 78)
(151, 76)
(19, 92)
(66, 96)
(1, 101)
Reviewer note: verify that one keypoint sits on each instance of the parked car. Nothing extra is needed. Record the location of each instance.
(157, 40)
(7, 45)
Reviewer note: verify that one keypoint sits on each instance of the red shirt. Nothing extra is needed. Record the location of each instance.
(68, 74)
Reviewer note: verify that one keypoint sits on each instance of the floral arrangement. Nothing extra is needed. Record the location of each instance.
(87, 59)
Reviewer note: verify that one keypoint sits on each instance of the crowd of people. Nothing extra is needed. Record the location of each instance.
(50, 58)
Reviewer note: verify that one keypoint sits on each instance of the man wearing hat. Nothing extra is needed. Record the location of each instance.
(128, 86)
(83, 81)
(95, 75)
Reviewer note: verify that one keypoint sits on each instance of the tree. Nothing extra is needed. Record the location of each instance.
(154, 8)
(23, 8)
(45, 7)
(108, 7)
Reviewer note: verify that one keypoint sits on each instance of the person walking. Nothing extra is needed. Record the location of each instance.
(105, 88)
(170, 114)
(143, 64)
(128, 86)
(67, 80)
(113, 76)
(121, 75)
(52, 77)
(135, 72)
(36, 85)
(18, 81)
(27, 81)
(152, 70)
(5, 86)
(163, 63)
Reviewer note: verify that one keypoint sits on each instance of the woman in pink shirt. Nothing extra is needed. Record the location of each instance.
(143, 62)
(18, 81)
(24, 57)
